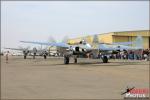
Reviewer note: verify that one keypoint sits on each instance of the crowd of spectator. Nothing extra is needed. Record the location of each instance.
(132, 55)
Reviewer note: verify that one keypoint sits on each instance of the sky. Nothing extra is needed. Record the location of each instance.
(40, 20)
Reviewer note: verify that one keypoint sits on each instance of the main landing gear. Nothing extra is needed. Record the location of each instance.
(105, 59)
(34, 55)
(75, 59)
(66, 59)
(25, 55)
(45, 56)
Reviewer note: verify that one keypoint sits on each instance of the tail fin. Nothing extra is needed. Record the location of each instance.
(95, 39)
(139, 42)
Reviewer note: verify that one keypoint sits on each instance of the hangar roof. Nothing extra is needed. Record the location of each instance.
(129, 33)
(145, 33)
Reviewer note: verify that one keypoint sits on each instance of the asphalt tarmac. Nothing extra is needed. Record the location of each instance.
(88, 79)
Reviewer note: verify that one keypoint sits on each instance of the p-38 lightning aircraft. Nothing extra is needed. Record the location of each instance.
(34, 51)
(83, 48)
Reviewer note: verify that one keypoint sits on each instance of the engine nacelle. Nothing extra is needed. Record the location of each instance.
(25, 51)
(78, 50)
(44, 53)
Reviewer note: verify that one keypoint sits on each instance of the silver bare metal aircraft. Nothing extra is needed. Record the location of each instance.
(34, 51)
(83, 48)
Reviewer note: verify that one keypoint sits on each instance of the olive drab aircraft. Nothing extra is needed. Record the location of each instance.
(83, 48)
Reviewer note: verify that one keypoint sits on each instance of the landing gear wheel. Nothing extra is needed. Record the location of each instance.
(75, 60)
(44, 56)
(25, 56)
(66, 60)
(105, 59)
(34, 56)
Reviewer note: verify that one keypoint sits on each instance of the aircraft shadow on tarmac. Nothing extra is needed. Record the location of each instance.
(103, 64)
(95, 63)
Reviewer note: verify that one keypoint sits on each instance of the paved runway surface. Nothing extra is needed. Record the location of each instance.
(88, 79)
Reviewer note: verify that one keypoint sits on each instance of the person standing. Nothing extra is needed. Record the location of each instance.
(7, 53)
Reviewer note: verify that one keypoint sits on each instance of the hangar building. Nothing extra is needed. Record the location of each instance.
(125, 36)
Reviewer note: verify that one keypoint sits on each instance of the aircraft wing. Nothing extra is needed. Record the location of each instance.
(106, 47)
(21, 49)
(111, 47)
(14, 49)
(48, 44)
(122, 43)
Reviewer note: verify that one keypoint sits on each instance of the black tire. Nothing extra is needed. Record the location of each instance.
(105, 59)
(25, 56)
(75, 60)
(66, 60)
(34, 55)
(45, 57)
